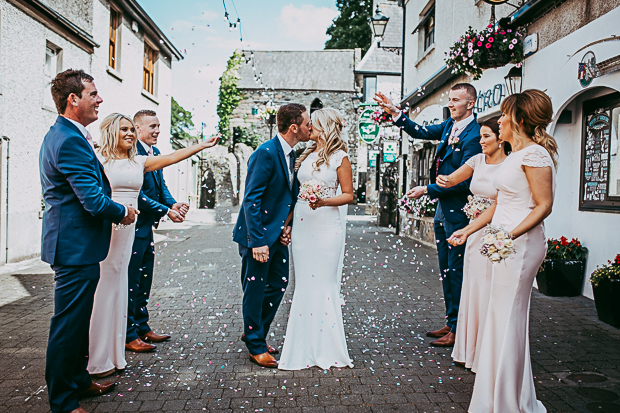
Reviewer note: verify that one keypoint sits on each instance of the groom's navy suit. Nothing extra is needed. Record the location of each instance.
(77, 225)
(449, 216)
(153, 202)
(269, 198)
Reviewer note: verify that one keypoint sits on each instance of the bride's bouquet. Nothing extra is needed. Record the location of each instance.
(496, 244)
(313, 189)
(476, 206)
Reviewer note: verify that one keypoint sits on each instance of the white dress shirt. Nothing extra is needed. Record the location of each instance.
(146, 147)
(288, 152)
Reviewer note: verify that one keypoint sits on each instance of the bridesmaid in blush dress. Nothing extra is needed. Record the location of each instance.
(525, 183)
(125, 171)
(476, 268)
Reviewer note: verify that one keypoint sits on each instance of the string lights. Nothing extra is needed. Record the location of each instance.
(233, 25)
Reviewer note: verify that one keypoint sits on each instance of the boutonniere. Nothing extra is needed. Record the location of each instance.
(454, 141)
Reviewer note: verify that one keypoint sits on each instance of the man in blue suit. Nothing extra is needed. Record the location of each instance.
(154, 203)
(459, 140)
(77, 225)
(263, 231)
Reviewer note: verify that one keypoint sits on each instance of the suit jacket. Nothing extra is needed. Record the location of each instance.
(451, 200)
(268, 197)
(154, 199)
(77, 221)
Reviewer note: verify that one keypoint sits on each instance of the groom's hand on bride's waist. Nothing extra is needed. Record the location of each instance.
(261, 254)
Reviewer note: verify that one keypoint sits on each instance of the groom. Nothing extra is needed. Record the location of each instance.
(77, 225)
(459, 140)
(263, 232)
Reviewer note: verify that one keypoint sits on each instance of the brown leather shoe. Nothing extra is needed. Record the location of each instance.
(445, 341)
(264, 360)
(270, 349)
(139, 346)
(438, 333)
(104, 374)
(154, 337)
(79, 410)
(96, 389)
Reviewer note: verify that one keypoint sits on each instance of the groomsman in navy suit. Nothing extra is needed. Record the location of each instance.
(263, 231)
(77, 225)
(459, 140)
(154, 203)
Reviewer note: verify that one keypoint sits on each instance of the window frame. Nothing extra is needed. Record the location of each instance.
(610, 204)
(116, 19)
(148, 72)
(429, 34)
(55, 54)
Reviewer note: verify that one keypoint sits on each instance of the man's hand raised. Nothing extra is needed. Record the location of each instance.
(386, 104)
(132, 215)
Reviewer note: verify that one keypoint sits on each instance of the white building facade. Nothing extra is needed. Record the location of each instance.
(132, 67)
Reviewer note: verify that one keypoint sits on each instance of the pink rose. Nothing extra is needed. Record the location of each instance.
(477, 214)
(312, 198)
(500, 244)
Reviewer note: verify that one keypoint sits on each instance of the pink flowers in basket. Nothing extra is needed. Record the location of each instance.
(312, 189)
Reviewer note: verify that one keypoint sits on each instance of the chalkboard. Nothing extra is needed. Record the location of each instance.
(596, 155)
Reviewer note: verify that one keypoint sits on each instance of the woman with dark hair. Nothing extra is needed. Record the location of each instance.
(477, 269)
(525, 184)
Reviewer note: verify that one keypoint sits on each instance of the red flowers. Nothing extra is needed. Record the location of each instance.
(479, 44)
(488, 46)
(564, 241)
(617, 259)
(563, 249)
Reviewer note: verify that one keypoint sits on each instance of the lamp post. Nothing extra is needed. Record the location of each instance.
(514, 80)
(378, 23)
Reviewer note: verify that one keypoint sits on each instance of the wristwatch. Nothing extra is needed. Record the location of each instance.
(425, 190)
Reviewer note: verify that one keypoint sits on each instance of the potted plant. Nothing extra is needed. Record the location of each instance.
(485, 49)
(563, 270)
(606, 287)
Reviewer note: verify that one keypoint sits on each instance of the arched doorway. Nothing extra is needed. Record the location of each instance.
(316, 105)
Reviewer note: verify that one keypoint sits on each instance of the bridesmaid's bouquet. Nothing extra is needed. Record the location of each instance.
(313, 189)
(476, 206)
(496, 244)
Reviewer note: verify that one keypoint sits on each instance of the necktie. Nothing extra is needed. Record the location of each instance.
(150, 152)
(89, 138)
(291, 166)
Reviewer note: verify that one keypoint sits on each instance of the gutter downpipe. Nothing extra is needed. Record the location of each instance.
(8, 157)
(403, 157)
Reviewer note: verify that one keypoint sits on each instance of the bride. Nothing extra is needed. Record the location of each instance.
(315, 331)
(125, 170)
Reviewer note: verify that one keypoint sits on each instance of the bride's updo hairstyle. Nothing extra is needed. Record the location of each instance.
(329, 123)
(532, 107)
(110, 137)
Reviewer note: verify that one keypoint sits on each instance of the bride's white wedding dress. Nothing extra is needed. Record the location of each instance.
(315, 331)
(108, 322)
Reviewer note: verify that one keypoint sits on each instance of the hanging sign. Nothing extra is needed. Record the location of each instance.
(367, 130)
(372, 158)
(390, 151)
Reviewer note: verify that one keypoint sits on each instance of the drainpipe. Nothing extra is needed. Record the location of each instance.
(8, 157)
(403, 156)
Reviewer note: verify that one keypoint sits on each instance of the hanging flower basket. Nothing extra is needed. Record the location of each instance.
(485, 49)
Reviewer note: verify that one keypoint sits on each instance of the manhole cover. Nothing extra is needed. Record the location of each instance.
(603, 407)
(600, 395)
(587, 378)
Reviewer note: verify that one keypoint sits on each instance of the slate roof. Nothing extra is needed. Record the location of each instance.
(378, 60)
(322, 70)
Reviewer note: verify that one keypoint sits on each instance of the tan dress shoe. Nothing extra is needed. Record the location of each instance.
(153, 337)
(104, 374)
(438, 333)
(445, 341)
(96, 389)
(270, 349)
(264, 360)
(139, 346)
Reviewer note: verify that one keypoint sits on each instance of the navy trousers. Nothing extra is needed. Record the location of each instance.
(140, 277)
(451, 267)
(263, 286)
(67, 348)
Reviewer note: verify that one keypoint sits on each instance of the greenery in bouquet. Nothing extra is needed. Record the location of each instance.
(563, 249)
(380, 117)
(478, 50)
(606, 272)
(421, 207)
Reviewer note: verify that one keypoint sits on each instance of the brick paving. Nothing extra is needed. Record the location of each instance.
(393, 295)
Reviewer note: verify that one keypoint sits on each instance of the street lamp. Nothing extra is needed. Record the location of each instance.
(379, 22)
(514, 80)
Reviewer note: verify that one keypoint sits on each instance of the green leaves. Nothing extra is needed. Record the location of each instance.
(351, 29)
(229, 96)
(180, 121)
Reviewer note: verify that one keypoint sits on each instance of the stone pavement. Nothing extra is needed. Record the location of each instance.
(393, 296)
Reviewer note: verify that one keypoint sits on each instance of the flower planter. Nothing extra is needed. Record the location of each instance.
(607, 300)
(561, 278)
(493, 60)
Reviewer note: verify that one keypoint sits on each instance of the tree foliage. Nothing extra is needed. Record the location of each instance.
(180, 121)
(229, 96)
(351, 28)
(247, 136)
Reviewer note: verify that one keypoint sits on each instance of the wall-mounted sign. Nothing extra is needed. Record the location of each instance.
(372, 158)
(530, 44)
(390, 151)
(587, 69)
(490, 98)
(367, 130)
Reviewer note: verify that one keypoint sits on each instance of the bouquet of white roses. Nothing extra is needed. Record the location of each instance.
(496, 244)
(312, 189)
(476, 206)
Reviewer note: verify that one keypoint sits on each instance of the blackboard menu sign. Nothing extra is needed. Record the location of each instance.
(600, 141)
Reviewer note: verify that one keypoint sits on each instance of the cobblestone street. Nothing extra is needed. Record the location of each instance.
(393, 296)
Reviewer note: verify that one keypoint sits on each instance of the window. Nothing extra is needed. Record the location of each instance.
(426, 30)
(600, 163)
(116, 19)
(370, 88)
(429, 31)
(150, 57)
(50, 70)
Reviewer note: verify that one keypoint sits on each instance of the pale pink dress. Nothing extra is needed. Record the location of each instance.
(504, 380)
(476, 274)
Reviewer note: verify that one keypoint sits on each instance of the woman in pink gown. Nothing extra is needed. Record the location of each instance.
(525, 185)
(476, 267)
